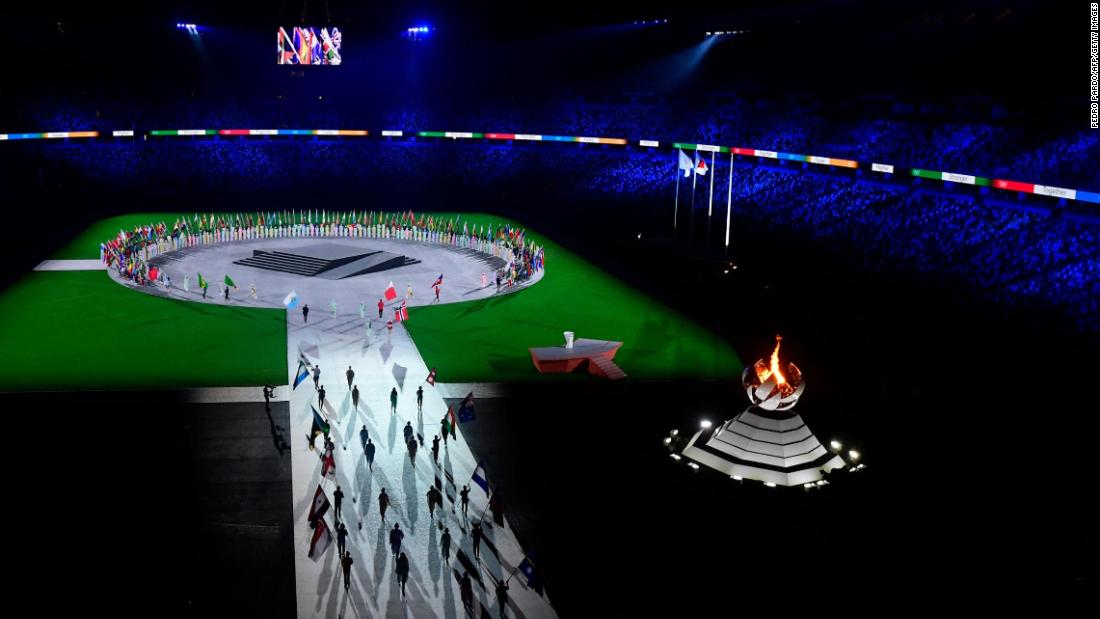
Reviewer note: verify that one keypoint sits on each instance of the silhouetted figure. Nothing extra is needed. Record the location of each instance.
(465, 494)
(445, 544)
(369, 452)
(396, 535)
(383, 503)
(305, 313)
(321, 398)
(420, 399)
(393, 400)
(467, 588)
(355, 397)
(351, 376)
(364, 436)
(346, 562)
(412, 450)
(339, 497)
(402, 572)
(475, 536)
(435, 449)
(341, 538)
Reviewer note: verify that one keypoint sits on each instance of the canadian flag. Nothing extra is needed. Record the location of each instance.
(391, 292)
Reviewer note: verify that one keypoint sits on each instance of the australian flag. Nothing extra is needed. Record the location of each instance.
(466, 410)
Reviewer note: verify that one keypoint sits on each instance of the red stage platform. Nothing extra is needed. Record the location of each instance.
(594, 356)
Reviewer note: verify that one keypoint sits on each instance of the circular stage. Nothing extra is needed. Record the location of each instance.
(319, 270)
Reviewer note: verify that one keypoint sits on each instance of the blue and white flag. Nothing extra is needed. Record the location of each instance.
(303, 374)
(685, 163)
(480, 478)
(291, 300)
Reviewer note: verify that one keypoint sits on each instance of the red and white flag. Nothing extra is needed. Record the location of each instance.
(401, 314)
(321, 540)
(320, 505)
(391, 292)
(328, 466)
(431, 377)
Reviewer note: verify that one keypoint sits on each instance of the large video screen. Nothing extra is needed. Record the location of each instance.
(310, 46)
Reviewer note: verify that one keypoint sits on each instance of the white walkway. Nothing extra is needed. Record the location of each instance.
(71, 265)
(381, 363)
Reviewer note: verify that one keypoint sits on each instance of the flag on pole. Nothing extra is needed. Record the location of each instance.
(700, 165)
(527, 566)
(328, 466)
(685, 164)
(229, 282)
(320, 426)
(449, 422)
(202, 282)
(391, 292)
(431, 377)
(480, 478)
(291, 300)
(302, 374)
(438, 281)
(466, 409)
(321, 540)
(320, 505)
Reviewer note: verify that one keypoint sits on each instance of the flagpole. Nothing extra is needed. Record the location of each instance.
(710, 204)
(729, 205)
(694, 176)
(676, 208)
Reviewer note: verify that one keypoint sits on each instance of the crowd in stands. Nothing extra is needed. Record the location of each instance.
(1016, 257)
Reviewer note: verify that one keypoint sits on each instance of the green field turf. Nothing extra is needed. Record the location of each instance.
(80, 330)
(487, 340)
(65, 330)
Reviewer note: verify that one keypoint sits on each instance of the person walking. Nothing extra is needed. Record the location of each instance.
(351, 376)
(408, 431)
(204, 286)
(381, 306)
(252, 291)
(435, 449)
(475, 536)
(346, 562)
(269, 392)
(467, 589)
(420, 399)
(225, 292)
(402, 572)
(383, 503)
(502, 596)
(465, 494)
(362, 310)
(443, 429)
(364, 436)
(321, 398)
(431, 502)
(339, 497)
(305, 313)
(187, 284)
(316, 376)
(341, 537)
(445, 544)
(412, 449)
(355, 398)
(396, 535)
(409, 292)
(393, 401)
(369, 452)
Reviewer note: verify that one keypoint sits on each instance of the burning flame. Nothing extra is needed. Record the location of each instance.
(764, 373)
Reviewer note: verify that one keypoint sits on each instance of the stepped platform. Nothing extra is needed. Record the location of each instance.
(326, 260)
(593, 356)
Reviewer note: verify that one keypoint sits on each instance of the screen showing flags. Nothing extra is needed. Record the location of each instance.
(309, 45)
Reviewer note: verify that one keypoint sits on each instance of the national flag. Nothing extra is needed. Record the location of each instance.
(291, 300)
(700, 165)
(328, 466)
(303, 374)
(685, 163)
(431, 377)
(466, 409)
(229, 282)
(391, 292)
(438, 281)
(449, 422)
(403, 311)
(320, 505)
(153, 273)
(480, 478)
(202, 282)
(321, 540)
(527, 566)
(320, 426)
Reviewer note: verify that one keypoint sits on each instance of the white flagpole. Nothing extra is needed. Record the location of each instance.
(729, 204)
(694, 176)
(676, 208)
(710, 204)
